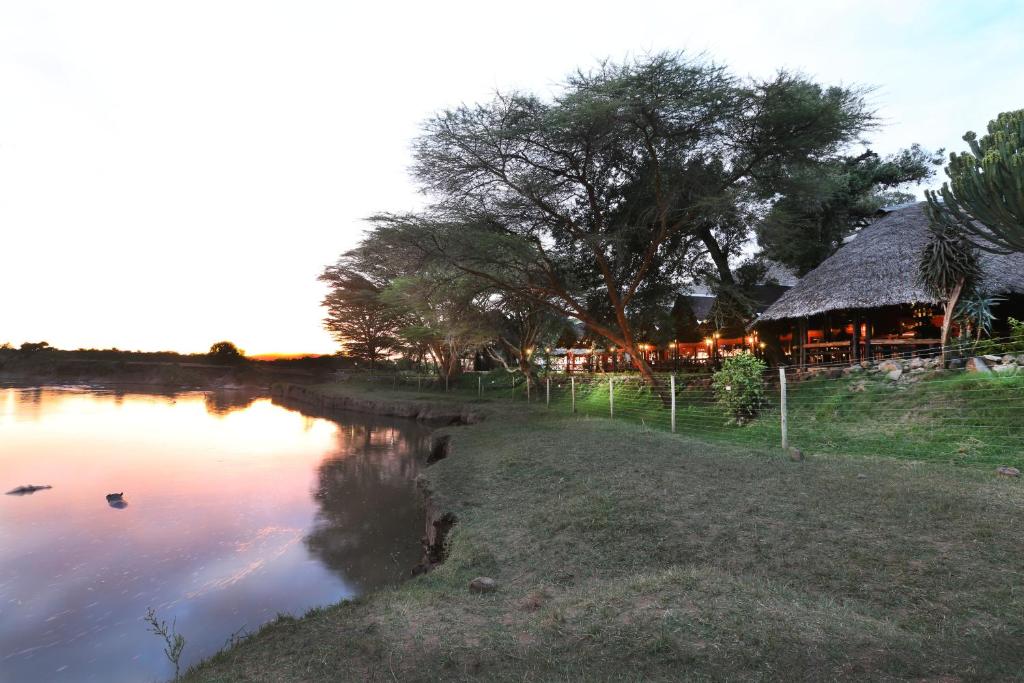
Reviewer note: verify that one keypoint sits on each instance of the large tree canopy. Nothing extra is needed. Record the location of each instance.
(824, 201)
(985, 192)
(593, 200)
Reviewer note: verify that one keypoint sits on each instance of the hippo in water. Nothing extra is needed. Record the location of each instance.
(27, 489)
(116, 500)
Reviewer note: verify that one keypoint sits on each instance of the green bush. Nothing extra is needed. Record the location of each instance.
(739, 386)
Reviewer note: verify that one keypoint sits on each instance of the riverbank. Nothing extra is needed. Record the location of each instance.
(624, 553)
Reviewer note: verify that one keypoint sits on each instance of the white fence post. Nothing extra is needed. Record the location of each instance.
(479, 386)
(782, 407)
(611, 397)
(547, 398)
(572, 389)
(672, 389)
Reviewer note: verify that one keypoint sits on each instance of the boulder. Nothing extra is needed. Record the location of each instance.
(1005, 369)
(1020, 359)
(916, 363)
(992, 358)
(1009, 359)
(977, 365)
(483, 584)
(954, 364)
(890, 365)
(795, 454)
(894, 374)
(1005, 471)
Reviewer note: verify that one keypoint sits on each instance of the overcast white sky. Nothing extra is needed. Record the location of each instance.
(173, 174)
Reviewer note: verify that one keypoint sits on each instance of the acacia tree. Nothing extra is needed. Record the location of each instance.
(520, 324)
(607, 189)
(445, 315)
(358, 317)
(985, 191)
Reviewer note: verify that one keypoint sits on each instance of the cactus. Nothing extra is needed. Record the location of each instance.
(985, 191)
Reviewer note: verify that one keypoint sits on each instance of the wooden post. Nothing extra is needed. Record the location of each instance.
(547, 398)
(572, 388)
(419, 383)
(479, 386)
(672, 389)
(855, 340)
(782, 407)
(611, 397)
(802, 330)
(527, 388)
(867, 339)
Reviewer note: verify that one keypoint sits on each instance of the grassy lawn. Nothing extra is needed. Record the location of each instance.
(625, 553)
(950, 418)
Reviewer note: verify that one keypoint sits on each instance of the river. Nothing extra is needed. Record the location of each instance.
(234, 510)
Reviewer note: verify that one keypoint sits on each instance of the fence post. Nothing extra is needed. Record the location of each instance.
(782, 406)
(611, 397)
(419, 383)
(572, 385)
(446, 382)
(513, 387)
(527, 388)
(547, 397)
(672, 390)
(479, 386)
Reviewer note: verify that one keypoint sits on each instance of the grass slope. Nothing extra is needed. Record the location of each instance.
(630, 554)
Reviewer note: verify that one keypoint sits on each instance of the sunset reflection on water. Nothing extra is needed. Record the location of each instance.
(237, 509)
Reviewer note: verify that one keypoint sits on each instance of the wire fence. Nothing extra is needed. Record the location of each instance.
(913, 408)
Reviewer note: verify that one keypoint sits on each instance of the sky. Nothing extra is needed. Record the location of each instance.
(175, 174)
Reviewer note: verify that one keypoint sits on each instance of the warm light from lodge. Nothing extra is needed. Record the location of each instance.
(709, 341)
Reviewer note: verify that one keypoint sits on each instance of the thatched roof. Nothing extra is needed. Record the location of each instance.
(878, 267)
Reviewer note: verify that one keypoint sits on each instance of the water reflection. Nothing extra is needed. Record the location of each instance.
(239, 510)
(369, 516)
(227, 401)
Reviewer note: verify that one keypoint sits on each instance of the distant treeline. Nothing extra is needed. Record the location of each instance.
(40, 355)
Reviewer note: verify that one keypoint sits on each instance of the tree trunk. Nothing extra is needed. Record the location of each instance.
(947, 317)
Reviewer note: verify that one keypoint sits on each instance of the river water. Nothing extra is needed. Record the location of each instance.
(234, 510)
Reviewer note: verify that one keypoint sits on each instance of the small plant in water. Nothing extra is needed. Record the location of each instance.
(174, 642)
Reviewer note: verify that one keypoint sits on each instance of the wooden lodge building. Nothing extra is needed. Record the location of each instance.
(865, 300)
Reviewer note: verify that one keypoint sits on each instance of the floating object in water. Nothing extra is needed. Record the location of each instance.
(114, 497)
(27, 489)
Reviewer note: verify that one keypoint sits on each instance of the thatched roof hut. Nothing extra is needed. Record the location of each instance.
(879, 267)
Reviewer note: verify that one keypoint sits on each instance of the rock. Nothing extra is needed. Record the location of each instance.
(795, 454)
(977, 365)
(1005, 369)
(916, 363)
(918, 371)
(1007, 471)
(890, 365)
(1020, 359)
(992, 358)
(1009, 359)
(483, 584)
(28, 489)
(894, 374)
(954, 364)
(865, 364)
(862, 476)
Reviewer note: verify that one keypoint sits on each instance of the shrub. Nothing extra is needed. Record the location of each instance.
(739, 386)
